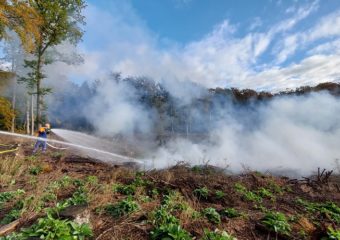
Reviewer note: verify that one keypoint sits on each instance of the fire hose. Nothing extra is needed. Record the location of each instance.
(56, 147)
(8, 150)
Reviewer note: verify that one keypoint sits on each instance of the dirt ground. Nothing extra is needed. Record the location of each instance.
(191, 190)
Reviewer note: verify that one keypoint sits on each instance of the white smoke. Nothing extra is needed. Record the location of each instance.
(295, 134)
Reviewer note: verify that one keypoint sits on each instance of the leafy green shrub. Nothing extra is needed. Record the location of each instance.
(14, 214)
(162, 216)
(332, 234)
(328, 209)
(35, 170)
(125, 189)
(169, 232)
(202, 192)
(93, 180)
(174, 201)
(212, 215)
(49, 228)
(217, 235)
(277, 222)
(122, 208)
(7, 196)
(231, 213)
(219, 194)
(79, 197)
(265, 193)
(247, 195)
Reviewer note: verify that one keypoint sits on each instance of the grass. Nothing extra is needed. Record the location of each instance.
(11, 168)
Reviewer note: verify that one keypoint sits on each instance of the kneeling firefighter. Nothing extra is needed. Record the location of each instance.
(42, 133)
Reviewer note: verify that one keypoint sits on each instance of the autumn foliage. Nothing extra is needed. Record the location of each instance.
(6, 114)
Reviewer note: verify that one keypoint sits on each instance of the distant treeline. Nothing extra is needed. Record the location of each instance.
(170, 115)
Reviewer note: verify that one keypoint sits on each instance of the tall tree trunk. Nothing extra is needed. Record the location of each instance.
(32, 115)
(27, 115)
(14, 100)
(38, 75)
(14, 92)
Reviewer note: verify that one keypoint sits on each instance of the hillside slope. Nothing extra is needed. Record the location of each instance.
(182, 202)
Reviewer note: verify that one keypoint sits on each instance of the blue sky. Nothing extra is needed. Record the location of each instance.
(263, 44)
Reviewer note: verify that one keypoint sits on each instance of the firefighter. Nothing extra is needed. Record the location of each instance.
(42, 133)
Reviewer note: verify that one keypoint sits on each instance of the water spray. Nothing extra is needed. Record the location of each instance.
(114, 155)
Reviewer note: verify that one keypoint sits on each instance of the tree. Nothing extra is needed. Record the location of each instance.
(61, 20)
(6, 114)
(22, 18)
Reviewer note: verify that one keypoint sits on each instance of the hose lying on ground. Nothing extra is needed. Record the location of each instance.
(56, 147)
(8, 150)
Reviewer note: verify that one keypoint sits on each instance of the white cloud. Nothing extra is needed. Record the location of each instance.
(124, 44)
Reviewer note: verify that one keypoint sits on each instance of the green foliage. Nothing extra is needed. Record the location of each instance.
(93, 180)
(332, 234)
(14, 214)
(174, 201)
(202, 193)
(219, 194)
(79, 197)
(212, 215)
(217, 235)
(60, 22)
(277, 222)
(125, 189)
(122, 208)
(7, 196)
(328, 209)
(265, 193)
(35, 170)
(231, 213)
(247, 195)
(169, 232)
(51, 229)
(163, 217)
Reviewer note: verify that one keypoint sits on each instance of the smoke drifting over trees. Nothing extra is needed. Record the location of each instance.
(294, 131)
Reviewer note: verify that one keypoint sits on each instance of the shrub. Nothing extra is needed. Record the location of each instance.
(202, 192)
(219, 194)
(277, 222)
(265, 193)
(332, 234)
(247, 195)
(217, 235)
(35, 170)
(122, 208)
(328, 209)
(170, 232)
(231, 213)
(212, 215)
(162, 216)
(126, 189)
(7, 196)
(14, 214)
(49, 228)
